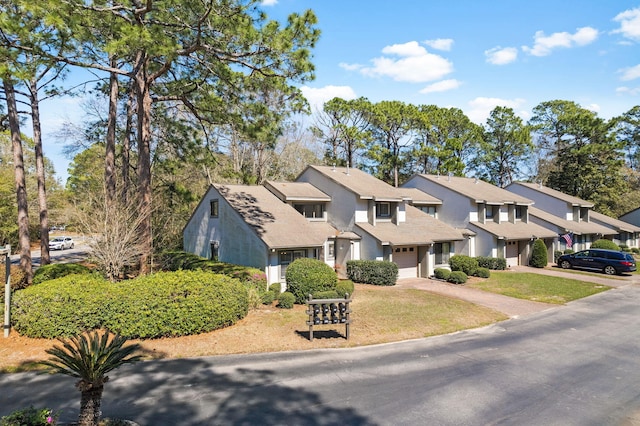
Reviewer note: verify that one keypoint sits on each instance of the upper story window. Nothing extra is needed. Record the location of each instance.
(310, 211)
(430, 210)
(518, 212)
(489, 213)
(584, 214)
(383, 210)
(213, 207)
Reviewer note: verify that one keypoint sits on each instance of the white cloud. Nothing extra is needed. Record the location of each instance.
(543, 45)
(633, 91)
(501, 56)
(440, 44)
(629, 24)
(630, 73)
(414, 65)
(350, 67)
(441, 86)
(269, 2)
(318, 96)
(481, 107)
(592, 107)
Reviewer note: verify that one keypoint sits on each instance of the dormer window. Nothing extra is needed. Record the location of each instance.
(430, 210)
(488, 212)
(310, 211)
(518, 211)
(383, 210)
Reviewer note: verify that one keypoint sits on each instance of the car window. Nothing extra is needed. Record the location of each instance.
(582, 254)
(628, 257)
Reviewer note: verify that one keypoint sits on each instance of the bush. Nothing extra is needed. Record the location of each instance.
(30, 417)
(556, 255)
(58, 270)
(483, 273)
(275, 288)
(493, 263)
(605, 244)
(329, 294)
(538, 254)
(568, 251)
(457, 277)
(345, 287)
(286, 300)
(158, 305)
(307, 276)
(461, 262)
(18, 277)
(635, 250)
(441, 273)
(376, 272)
(268, 298)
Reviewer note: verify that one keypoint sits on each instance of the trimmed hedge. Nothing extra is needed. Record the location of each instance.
(464, 263)
(181, 260)
(58, 270)
(441, 273)
(493, 263)
(308, 276)
(605, 244)
(457, 277)
(376, 272)
(159, 305)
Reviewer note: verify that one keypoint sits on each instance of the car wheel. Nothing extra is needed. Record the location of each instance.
(565, 264)
(609, 270)
(71, 245)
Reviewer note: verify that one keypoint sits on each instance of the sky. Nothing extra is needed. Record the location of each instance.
(468, 54)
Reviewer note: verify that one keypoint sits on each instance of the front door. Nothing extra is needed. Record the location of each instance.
(512, 253)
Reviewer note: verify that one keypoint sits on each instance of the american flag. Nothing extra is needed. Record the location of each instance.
(568, 238)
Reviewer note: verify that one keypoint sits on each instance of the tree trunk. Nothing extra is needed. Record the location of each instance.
(144, 161)
(45, 259)
(21, 186)
(110, 155)
(90, 401)
(126, 145)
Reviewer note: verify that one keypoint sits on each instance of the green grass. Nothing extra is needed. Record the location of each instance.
(538, 288)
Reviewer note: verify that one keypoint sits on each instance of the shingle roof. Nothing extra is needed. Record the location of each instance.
(296, 191)
(278, 224)
(418, 197)
(579, 228)
(515, 231)
(362, 184)
(617, 224)
(419, 228)
(478, 190)
(575, 201)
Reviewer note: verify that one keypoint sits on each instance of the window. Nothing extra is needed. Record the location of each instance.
(518, 212)
(383, 210)
(332, 248)
(442, 252)
(213, 205)
(488, 212)
(215, 247)
(430, 210)
(288, 256)
(310, 211)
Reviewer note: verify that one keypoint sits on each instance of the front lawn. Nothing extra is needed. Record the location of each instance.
(537, 287)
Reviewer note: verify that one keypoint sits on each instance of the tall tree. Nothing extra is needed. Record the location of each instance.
(506, 146)
(391, 125)
(627, 129)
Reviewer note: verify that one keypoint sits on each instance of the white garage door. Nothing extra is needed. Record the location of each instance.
(407, 260)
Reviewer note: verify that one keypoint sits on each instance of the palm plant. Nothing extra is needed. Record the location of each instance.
(90, 358)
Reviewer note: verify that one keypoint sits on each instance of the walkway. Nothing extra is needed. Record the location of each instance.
(510, 306)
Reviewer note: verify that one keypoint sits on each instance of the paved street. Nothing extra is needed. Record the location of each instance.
(572, 365)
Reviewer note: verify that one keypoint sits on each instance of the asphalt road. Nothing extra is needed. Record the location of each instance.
(574, 365)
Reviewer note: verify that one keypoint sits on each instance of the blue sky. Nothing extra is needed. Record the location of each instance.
(470, 54)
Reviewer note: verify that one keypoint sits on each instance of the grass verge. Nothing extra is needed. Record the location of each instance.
(538, 288)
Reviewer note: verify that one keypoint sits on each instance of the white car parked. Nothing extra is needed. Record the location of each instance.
(61, 243)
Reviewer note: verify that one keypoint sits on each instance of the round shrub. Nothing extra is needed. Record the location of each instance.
(328, 294)
(538, 254)
(18, 278)
(457, 277)
(345, 287)
(568, 251)
(286, 300)
(375, 272)
(268, 298)
(275, 288)
(63, 307)
(180, 303)
(441, 273)
(461, 262)
(307, 276)
(58, 270)
(483, 273)
(605, 244)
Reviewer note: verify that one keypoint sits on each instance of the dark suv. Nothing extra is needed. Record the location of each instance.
(608, 261)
